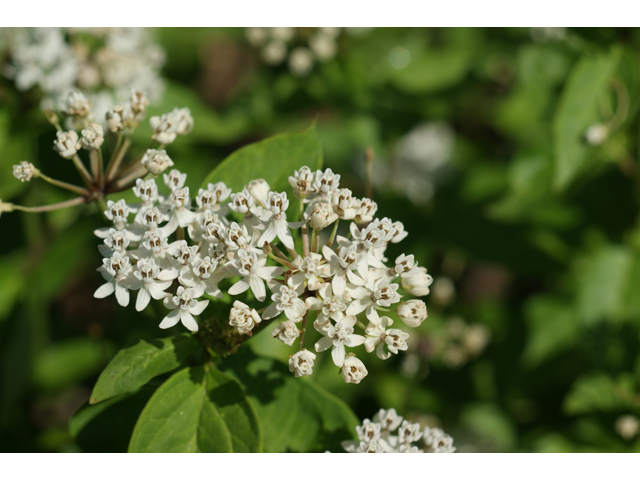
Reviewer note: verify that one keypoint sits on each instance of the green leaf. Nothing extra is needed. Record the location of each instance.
(273, 159)
(199, 409)
(577, 110)
(69, 362)
(603, 283)
(296, 414)
(599, 393)
(553, 328)
(136, 364)
(107, 427)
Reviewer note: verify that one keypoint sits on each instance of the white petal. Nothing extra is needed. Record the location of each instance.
(354, 340)
(338, 283)
(122, 295)
(188, 321)
(269, 272)
(257, 287)
(358, 306)
(104, 291)
(239, 287)
(171, 319)
(197, 310)
(338, 354)
(271, 312)
(269, 235)
(323, 344)
(143, 299)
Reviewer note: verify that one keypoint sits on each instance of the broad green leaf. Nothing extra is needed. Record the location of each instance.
(107, 427)
(199, 409)
(599, 392)
(70, 361)
(553, 327)
(491, 426)
(603, 284)
(577, 110)
(273, 159)
(296, 414)
(136, 364)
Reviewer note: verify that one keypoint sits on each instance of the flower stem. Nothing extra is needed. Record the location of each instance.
(84, 173)
(314, 240)
(368, 172)
(333, 234)
(65, 185)
(54, 206)
(286, 263)
(303, 330)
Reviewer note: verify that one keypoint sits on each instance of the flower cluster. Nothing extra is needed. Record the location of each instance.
(380, 436)
(244, 241)
(301, 47)
(107, 63)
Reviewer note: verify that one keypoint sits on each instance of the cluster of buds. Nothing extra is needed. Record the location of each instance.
(339, 284)
(301, 47)
(86, 133)
(380, 436)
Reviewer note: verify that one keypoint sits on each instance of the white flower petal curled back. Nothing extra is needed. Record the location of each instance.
(337, 337)
(243, 318)
(184, 306)
(301, 363)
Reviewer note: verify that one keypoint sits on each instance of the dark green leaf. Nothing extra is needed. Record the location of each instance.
(599, 393)
(273, 159)
(199, 409)
(136, 364)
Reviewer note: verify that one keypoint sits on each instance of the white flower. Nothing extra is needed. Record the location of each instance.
(180, 202)
(597, 134)
(211, 198)
(66, 144)
(119, 117)
(405, 266)
(311, 269)
(322, 215)
(331, 306)
(116, 241)
(300, 61)
(286, 332)
(204, 275)
(409, 433)
(92, 137)
(164, 128)
(77, 105)
(418, 284)
(277, 225)
(326, 182)
(184, 306)
(274, 52)
(256, 35)
(139, 102)
(259, 190)
(301, 363)
(389, 419)
(116, 270)
(174, 179)
(369, 431)
(253, 271)
(183, 120)
(353, 370)
(437, 441)
(323, 46)
(412, 312)
(238, 238)
(344, 204)
(379, 335)
(242, 202)
(117, 212)
(156, 161)
(243, 318)
(400, 233)
(286, 301)
(373, 292)
(152, 282)
(337, 337)
(346, 260)
(626, 426)
(154, 245)
(302, 182)
(147, 191)
(367, 211)
(24, 171)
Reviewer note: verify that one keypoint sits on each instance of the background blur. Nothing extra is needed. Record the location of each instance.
(510, 155)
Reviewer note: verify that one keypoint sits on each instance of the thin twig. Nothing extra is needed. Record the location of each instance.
(54, 206)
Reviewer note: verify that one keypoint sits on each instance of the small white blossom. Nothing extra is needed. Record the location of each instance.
(119, 117)
(253, 272)
(77, 105)
(286, 332)
(367, 211)
(287, 301)
(243, 318)
(344, 204)
(300, 61)
(412, 312)
(337, 337)
(277, 225)
(152, 282)
(353, 370)
(24, 171)
(418, 284)
(302, 182)
(211, 198)
(326, 182)
(156, 161)
(174, 179)
(116, 270)
(66, 144)
(301, 363)
(409, 432)
(311, 269)
(92, 137)
(183, 305)
(322, 215)
(259, 190)
(389, 419)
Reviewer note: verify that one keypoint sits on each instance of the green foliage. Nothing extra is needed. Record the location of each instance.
(273, 159)
(138, 363)
(598, 392)
(577, 110)
(296, 414)
(199, 409)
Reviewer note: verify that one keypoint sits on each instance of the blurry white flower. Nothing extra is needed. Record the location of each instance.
(353, 370)
(300, 61)
(243, 318)
(412, 312)
(76, 104)
(92, 137)
(156, 161)
(119, 117)
(322, 215)
(66, 144)
(24, 171)
(286, 332)
(418, 284)
(597, 134)
(301, 363)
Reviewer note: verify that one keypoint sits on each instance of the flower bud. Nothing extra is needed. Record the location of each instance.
(243, 318)
(66, 144)
(301, 363)
(183, 120)
(52, 118)
(259, 190)
(596, 134)
(92, 137)
(164, 128)
(24, 171)
(119, 117)
(77, 105)
(322, 216)
(353, 370)
(368, 209)
(156, 161)
(139, 102)
(286, 332)
(300, 61)
(274, 52)
(412, 312)
(418, 284)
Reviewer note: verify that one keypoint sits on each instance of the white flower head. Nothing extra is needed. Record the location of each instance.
(353, 370)
(259, 190)
(243, 318)
(301, 363)
(76, 104)
(183, 305)
(286, 332)
(119, 117)
(66, 144)
(412, 312)
(302, 182)
(301, 61)
(322, 215)
(156, 161)
(92, 137)
(417, 284)
(24, 171)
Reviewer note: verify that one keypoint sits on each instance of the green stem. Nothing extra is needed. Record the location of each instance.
(54, 206)
(333, 234)
(65, 185)
(84, 173)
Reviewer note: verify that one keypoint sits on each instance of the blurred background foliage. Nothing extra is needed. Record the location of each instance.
(511, 157)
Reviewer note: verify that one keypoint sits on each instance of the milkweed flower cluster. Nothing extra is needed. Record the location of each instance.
(244, 242)
(390, 433)
(300, 47)
(106, 63)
